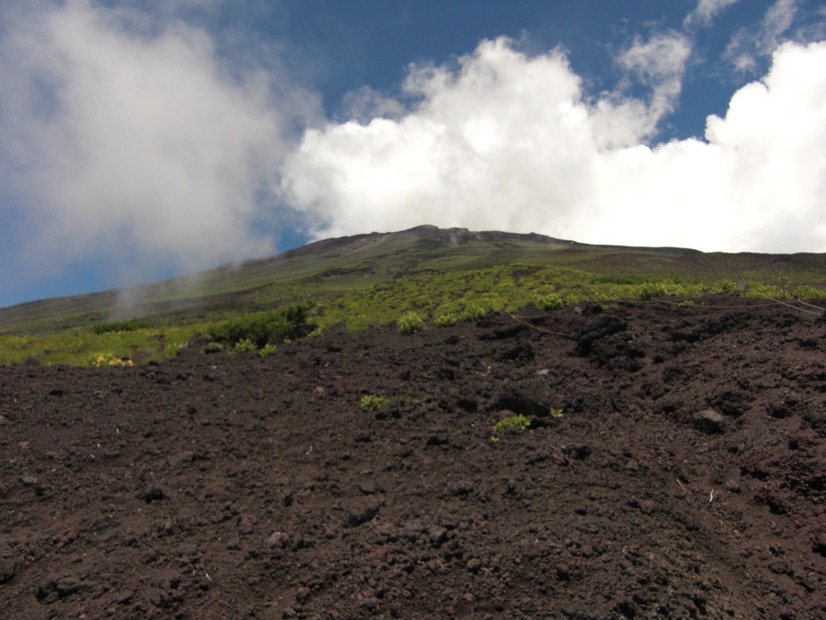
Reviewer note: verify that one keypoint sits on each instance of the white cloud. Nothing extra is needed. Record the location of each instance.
(706, 11)
(660, 63)
(126, 139)
(500, 137)
(364, 104)
(778, 20)
(506, 141)
(774, 134)
(748, 45)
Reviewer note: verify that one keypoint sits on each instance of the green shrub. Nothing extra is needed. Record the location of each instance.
(373, 402)
(807, 292)
(551, 301)
(517, 422)
(446, 319)
(118, 326)
(724, 286)
(654, 290)
(267, 350)
(648, 291)
(212, 347)
(472, 312)
(410, 322)
(359, 324)
(243, 346)
(759, 290)
(263, 328)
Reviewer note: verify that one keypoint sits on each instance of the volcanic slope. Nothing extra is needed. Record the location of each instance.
(326, 271)
(674, 467)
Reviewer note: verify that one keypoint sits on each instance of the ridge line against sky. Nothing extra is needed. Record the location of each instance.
(145, 139)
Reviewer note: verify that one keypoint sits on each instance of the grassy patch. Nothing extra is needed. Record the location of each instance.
(83, 347)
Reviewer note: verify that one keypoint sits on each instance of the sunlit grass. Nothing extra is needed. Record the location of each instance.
(86, 348)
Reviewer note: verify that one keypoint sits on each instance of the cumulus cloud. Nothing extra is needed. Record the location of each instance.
(506, 141)
(484, 144)
(125, 138)
(774, 137)
(757, 182)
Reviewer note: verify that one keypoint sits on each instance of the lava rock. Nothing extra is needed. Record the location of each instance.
(362, 514)
(153, 494)
(8, 570)
(709, 421)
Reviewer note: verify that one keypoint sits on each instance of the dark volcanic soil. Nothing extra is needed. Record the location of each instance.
(685, 478)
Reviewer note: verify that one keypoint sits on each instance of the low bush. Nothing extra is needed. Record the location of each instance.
(244, 346)
(118, 326)
(472, 312)
(263, 328)
(447, 319)
(517, 422)
(807, 292)
(212, 347)
(373, 402)
(410, 322)
(359, 324)
(648, 291)
(551, 301)
(759, 290)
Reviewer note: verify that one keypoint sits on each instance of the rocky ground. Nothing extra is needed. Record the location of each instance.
(683, 479)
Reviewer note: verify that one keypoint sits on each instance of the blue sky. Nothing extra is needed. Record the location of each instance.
(145, 139)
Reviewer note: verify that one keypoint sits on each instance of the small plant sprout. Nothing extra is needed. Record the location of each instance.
(555, 413)
(373, 402)
(514, 422)
(267, 350)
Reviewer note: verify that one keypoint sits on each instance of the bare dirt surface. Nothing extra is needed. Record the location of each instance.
(684, 479)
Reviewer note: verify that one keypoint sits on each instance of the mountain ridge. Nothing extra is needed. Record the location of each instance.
(250, 284)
